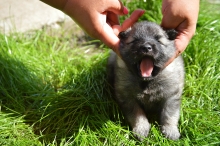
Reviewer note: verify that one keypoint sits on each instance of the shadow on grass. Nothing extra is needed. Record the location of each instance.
(81, 104)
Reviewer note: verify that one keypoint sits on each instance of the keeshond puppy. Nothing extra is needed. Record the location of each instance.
(143, 87)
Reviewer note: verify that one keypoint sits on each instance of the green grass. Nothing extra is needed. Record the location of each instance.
(54, 92)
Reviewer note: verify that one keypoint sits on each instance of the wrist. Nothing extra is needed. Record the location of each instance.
(58, 4)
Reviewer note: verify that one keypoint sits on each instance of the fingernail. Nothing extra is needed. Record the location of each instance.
(143, 11)
(125, 10)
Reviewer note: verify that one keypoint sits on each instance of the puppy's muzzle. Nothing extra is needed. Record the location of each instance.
(146, 48)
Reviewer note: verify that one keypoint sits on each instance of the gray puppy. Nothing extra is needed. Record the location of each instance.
(142, 86)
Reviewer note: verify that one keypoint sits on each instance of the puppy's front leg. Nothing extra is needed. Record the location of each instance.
(169, 119)
(137, 120)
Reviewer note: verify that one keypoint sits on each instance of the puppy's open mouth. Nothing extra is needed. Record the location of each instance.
(147, 68)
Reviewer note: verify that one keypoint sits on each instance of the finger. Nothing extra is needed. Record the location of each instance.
(112, 19)
(186, 31)
(129, 21)
(109, 38)
(168, 18)
(132, 19)
(116, 7)
(181, 43)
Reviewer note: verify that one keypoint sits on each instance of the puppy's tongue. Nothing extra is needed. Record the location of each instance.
(146, 67)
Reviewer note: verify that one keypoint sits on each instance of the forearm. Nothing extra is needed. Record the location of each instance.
(99, 18)
(58, 4)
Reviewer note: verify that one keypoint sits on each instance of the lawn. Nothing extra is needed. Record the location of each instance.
(53, 88)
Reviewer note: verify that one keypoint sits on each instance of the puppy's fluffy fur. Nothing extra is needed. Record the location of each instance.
(142, 87)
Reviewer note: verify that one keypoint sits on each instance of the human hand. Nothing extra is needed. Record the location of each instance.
(182, 16)
(100, 19)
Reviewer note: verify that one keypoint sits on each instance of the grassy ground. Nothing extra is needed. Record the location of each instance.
(53, 91)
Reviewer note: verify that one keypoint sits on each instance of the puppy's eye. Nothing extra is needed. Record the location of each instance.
(161, 39)
(157, 37)
(131, 42)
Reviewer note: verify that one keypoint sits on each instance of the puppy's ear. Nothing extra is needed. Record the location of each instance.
(124, 34)
(171, 33)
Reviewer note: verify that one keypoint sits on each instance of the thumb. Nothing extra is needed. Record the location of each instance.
(181, 43)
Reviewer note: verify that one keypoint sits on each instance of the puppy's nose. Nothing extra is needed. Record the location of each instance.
(146, 48)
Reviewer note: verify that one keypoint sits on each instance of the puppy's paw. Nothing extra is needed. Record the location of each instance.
(141, 131)
(170, 132)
